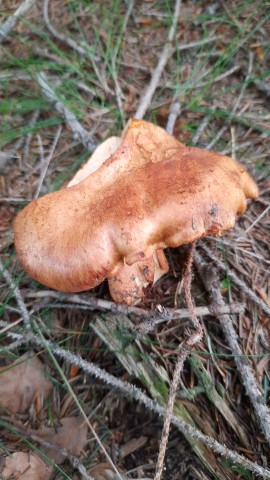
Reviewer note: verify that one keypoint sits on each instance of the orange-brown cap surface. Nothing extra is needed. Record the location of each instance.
(131, 283)
(152, 193)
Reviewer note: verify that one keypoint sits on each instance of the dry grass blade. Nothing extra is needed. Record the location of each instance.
(163, 59)
(118, 90)
(46, 162)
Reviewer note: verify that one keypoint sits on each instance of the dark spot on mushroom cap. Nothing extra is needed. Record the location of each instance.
(214, 210)
(194, 224)
(145, 271)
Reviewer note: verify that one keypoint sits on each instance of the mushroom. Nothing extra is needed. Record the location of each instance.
(152, 193)
(132, 281)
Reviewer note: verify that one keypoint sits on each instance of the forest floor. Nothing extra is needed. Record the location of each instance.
(60, 413)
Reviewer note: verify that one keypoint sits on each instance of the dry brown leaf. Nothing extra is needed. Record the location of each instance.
(70, 435)
(22, 382)
(26, 466)
(103, 471)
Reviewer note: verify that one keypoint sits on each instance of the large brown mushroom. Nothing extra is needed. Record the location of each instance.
(152, 193)
(132, 281)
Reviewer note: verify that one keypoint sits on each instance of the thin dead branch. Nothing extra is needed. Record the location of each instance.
(175, 111)
(17, 294)
(118, 90)
(10, 23)
(211, 282)
(46, 162)
(164, 57)
(220, 77)
(155, 317)
(185, 350)
(78, 130)
(201, 128)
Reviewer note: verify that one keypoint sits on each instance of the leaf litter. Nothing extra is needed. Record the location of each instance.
(23, 383)
(245, 252)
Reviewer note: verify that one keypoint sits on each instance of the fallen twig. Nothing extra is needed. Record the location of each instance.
(175, 111)
(155, 317)
(6, 156)
(164, 57)
(118, 90)
(10, 23)
(200, 129)
(46, 162)
(185, 350)
(17, 295)
(211, 282)
(78, 130)
(136, 394)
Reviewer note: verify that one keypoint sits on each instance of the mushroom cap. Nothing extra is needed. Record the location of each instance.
(152, 193)
(132, 281)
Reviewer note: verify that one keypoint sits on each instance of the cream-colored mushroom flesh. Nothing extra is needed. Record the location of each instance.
(104, 151)
(152, 193)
